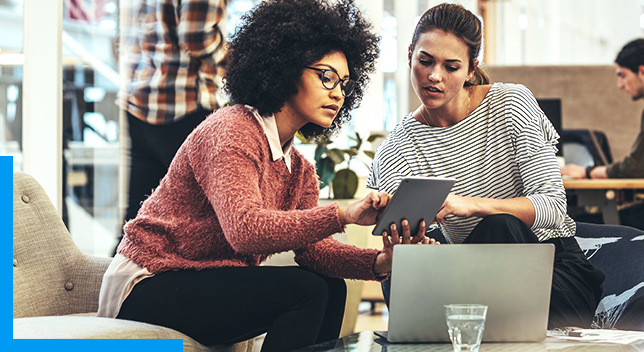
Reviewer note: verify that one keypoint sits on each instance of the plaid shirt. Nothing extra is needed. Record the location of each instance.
(174, 58)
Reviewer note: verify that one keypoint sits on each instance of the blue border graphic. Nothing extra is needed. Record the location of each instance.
(6, 293)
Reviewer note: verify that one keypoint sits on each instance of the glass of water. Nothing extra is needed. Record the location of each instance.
(465, 323)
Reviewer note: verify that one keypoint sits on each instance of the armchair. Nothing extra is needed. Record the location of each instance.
(56, 286)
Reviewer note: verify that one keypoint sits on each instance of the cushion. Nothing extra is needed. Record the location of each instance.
(617, 250)
(90, 327)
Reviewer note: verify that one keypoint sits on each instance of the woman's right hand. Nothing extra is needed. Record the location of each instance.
(366, 211)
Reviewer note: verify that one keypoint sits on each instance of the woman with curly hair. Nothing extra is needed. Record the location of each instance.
(237, 191)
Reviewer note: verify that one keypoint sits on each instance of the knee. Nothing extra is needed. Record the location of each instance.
(502, 228)
(500, 220)
(336, 287)
(308, 286)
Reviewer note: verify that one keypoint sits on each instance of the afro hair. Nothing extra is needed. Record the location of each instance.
(277, 39)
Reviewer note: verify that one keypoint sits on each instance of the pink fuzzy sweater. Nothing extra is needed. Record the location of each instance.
(225, 202)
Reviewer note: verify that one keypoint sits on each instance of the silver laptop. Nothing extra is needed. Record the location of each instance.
(514, 280)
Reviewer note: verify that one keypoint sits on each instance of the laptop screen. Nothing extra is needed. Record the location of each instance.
(552, 109)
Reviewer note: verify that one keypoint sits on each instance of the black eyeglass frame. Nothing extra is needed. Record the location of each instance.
(342, 81)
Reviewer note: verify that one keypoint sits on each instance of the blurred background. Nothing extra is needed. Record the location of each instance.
(88, 182)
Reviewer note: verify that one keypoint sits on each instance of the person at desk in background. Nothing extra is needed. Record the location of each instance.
(630, 78)
(499, 145)
(238, 191)
(174, 59)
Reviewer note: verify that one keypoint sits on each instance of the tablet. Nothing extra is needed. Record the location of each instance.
(417, 198)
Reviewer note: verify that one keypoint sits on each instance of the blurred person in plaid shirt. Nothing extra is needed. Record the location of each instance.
(174, 57)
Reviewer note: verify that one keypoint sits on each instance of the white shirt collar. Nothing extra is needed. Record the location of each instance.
(270, 129)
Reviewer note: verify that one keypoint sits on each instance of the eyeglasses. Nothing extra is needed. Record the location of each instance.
(330, 80)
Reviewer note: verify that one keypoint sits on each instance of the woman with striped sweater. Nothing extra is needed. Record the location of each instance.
(499, 145)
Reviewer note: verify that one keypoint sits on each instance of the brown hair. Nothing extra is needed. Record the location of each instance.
(455, 19)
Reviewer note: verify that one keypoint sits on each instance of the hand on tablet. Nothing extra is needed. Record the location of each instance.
(383, 261)
(463, 207)
(365, 211)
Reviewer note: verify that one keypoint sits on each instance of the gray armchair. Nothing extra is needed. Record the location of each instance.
(56, 286)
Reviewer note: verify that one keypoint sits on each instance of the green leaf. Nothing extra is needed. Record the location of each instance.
(325, 169)
(302, 138)
(319, 151)
(350, 152)
(358, 141)
(375, 136)
(336, 155)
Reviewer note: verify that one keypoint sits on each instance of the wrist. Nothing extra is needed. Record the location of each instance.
(380, 267)
(342, 215)
(589, 169)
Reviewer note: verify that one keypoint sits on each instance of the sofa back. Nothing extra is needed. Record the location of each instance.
(51, 276)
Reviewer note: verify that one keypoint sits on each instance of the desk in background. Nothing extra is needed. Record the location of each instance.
(605, 193)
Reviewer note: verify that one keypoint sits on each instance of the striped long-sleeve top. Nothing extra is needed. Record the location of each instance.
(174, 58)
(504, 149)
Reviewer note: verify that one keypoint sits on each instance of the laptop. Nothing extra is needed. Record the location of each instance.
(514, 280)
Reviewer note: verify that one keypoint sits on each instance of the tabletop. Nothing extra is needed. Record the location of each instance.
(367, 341)
(608, 183)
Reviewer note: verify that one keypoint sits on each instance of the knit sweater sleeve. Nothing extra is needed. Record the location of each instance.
(228, 159)
(332, 258)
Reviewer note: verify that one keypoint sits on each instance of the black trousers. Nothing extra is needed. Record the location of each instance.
(294, 306)
(152, 148)
(576, 284)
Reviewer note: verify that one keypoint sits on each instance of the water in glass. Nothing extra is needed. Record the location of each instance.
(466, 331)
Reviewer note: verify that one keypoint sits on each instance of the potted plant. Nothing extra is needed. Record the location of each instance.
(344, 182)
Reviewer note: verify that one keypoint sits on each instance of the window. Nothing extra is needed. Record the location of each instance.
(11, 60)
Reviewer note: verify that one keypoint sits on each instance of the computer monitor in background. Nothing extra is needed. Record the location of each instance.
(552, 109)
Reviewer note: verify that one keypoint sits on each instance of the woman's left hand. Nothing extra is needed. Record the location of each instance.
(382, 266)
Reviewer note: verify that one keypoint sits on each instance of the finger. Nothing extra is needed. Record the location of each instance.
(425, 240)
(420, 234)
(395, 238)
(383, 199)
(385, 240)
(440, 217)
(375, 199)
(442, 212)
(406, 237)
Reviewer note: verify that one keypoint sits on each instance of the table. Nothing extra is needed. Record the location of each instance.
(603, 193)
(367, 341)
